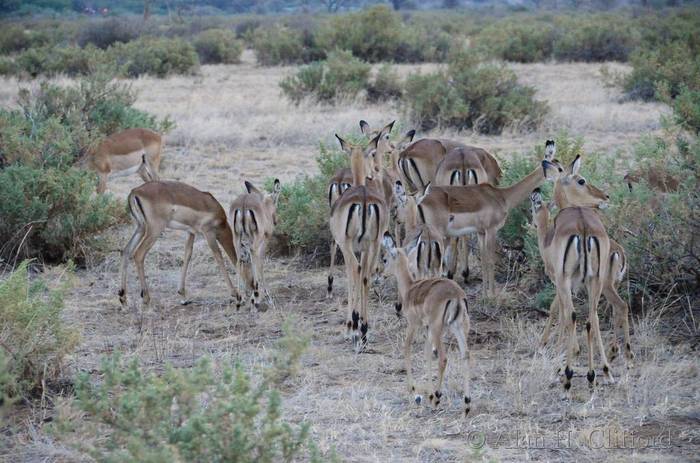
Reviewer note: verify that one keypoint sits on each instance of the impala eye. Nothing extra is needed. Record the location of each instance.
(582, 181)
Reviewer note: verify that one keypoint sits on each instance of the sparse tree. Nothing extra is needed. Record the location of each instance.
(333, 5)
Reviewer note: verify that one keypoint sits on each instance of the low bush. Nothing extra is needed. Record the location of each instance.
(302, 212)
(14, 39)
(596, 38)
(198, 414)
(674, 65)
(50, 61)
(218, 46)
(158, 57)
(385, 85)
(340, 76)
(49, 208)
(517, 40)
(686, 109)
(34, 341)
(485, 97)
(278, 45)
(105, 33)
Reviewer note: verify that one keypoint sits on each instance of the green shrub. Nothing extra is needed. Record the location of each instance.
(281, 45)
(469, 94)
(52, 212)
(198, 414)
(105, 33)
(218, 46)
(14, 39)
(34, 341)
(686, 109)
(519, 41)
(385, 85)
(597, 38)
(371, 35)
(675, 65)
(50, 61)
(158, 57)
(340, 76)
(49, 208)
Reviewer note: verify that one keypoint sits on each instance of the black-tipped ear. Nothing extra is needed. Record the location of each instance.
(537, 190)
(373, 143)
(387, 128)
(277, 186)
(365, 128)
(343, 144)
(576, 165)
(410, 134)
(249, 187)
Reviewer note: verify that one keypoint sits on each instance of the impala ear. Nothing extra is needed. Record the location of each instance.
(548, 169)
(365, 128)
(575, 165)
(400, 191)
(249, 188)
(536, 197)
(387, 128)
(345, 146)
(408, 138)
(373, 143)
(550, 150)
(426, 192)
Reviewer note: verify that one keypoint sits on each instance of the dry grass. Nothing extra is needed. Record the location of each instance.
(233, 125)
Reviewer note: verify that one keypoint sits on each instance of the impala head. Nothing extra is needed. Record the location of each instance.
(571, 189)
(392, 254)
(550, 150)
(362, 160)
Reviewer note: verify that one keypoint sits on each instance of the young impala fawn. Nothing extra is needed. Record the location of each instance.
(437, 304)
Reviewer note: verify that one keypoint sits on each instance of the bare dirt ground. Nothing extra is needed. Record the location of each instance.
(234, 125)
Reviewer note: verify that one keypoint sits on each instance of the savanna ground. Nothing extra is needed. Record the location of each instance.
(233, 125)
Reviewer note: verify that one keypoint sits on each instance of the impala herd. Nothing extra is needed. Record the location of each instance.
(437, 193)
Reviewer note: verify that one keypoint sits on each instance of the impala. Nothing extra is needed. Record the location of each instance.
(159, 205)
(572, 190)
(121, 154)
(358, 220)
(459, 210)
(465, 165)
(419, 161)
(437, 304)
(253, 216)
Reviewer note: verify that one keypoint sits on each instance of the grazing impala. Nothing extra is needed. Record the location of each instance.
(121, 154)
(358, 221)
(437, 304)
(156, 206)
(253, 219)
(459, 210)
(465, 165)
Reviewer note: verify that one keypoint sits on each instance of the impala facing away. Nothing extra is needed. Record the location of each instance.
(121, 154)
(253, 219)
(459, 210)
(572, 190)
(156, 206)
(434, 303)
(358, 220)
(461, 166)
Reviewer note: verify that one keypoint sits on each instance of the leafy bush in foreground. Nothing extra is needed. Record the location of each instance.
(33, 339)
(340, 76)
(196, 414)
(218, 46)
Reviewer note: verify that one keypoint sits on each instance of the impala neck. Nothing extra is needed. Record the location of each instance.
(404, 279)
(541, 219)
(560, 198)
(225, 238)
(517, 193)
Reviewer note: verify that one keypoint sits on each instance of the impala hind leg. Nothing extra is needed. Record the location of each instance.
(551, 319)
(408, 344)
(620, 322)
(145, 245)
(568, 321)
(334, 250)
(594, 291)
(128, 253)
(464, 251)
(461, 333)
(185, 265)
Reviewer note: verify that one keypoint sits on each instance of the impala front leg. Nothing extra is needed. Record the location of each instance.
(185, 264)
